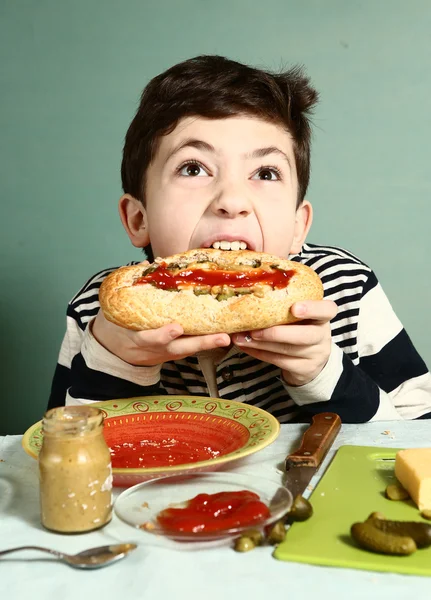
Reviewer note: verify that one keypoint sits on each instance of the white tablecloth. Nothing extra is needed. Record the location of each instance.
(158, 573)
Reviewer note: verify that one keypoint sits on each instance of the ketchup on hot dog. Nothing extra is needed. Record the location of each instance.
(164, 278)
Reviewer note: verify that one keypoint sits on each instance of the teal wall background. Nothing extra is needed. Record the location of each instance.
(70, 76)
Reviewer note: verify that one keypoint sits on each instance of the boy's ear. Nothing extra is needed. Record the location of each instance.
(134, 218)
(303, 220)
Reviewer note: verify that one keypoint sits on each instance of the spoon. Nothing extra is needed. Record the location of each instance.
(93, 558)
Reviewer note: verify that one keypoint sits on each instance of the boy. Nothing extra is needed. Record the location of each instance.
(218, 154)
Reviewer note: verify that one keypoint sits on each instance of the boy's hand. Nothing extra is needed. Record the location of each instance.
(302, 349)
(155, 346)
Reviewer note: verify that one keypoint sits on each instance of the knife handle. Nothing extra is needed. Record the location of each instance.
(316, 441)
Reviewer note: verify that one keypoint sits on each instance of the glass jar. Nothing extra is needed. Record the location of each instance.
(75, 471)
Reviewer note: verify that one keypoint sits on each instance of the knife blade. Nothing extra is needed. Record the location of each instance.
(302, 464)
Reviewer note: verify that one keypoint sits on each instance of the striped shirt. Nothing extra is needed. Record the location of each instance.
(373, 372)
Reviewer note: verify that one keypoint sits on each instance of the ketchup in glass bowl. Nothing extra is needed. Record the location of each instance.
(201, 507)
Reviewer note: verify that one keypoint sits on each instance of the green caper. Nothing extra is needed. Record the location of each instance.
(276, 533)
(301, 509)
(221, 297)
(277, 267)
(256, 264)
(254, 535)
(201, 291)
(376, 515)
(244, 544)
(426, 514)
(149, 270)
(396, 492)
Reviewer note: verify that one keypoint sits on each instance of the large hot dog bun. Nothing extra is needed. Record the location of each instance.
(145, 306)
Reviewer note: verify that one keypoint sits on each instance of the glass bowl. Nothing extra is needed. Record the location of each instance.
(139, 505)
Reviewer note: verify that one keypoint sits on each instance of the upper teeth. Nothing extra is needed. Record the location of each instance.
(225, 245)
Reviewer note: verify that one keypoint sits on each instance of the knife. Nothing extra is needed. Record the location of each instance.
(316, 441)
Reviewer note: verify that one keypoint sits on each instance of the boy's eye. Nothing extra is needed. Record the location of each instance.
(267, 174)
(192, 169)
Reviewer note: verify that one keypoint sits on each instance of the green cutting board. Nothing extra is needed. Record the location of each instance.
(352, 487)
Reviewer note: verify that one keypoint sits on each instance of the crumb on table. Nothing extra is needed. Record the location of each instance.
(148, 526)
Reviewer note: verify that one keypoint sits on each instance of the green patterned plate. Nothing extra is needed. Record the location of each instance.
(156, 436)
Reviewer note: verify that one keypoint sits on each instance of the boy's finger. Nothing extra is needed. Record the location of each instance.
(184, 345)
(158, 338)
(188, 345)
(293, 334)
(316, 310)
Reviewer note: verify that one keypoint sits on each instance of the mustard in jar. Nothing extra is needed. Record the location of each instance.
(75, 471)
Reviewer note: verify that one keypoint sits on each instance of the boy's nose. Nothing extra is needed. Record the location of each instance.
(231, 203)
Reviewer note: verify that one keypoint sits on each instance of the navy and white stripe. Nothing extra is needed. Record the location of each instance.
(374, 371)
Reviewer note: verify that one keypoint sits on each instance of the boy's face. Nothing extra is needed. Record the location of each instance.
(231, 180)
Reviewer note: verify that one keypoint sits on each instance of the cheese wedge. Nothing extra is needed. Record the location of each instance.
(413, 471)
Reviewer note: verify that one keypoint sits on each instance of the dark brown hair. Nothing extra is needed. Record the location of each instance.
(215, 87)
